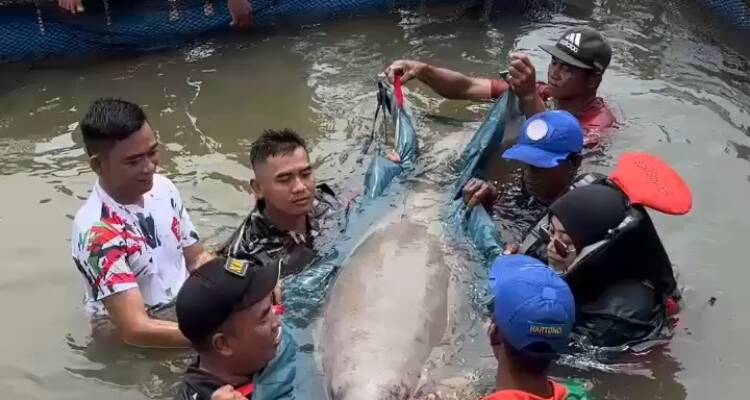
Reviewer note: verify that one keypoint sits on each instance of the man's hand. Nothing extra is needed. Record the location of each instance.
(511, 249)
(227, 392)
(196, 256)
(71, 6)
(408, 70)
(522, 75)
(241, 12)
(479, 191)
(393, 157)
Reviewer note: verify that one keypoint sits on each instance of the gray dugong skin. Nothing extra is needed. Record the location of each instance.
(386, 312)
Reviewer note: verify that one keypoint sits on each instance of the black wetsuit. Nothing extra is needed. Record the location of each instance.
(621, 284)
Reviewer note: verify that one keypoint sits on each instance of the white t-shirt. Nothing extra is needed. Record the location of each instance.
(118, 247)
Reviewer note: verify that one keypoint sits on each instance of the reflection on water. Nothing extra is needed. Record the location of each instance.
(678, 91)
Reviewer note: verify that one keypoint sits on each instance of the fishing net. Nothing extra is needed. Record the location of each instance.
(735, 13)
(36, 29)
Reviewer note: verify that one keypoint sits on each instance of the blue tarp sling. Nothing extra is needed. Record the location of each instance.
(381, 170)
(476, 223)
(307, 291)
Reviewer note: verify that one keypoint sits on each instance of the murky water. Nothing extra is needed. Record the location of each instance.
(680, 94)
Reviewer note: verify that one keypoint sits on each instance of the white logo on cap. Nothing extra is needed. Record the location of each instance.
(575, 38)
(572, 41)
(537, 130)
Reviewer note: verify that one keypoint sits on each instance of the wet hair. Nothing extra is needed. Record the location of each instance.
(273, 143)
(203, 345)
(533, 359)
(108, 121)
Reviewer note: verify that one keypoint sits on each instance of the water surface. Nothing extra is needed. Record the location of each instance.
(679, 91)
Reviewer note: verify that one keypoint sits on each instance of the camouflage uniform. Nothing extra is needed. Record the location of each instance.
(257, 238)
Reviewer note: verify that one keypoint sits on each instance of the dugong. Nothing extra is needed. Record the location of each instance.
(388, 308)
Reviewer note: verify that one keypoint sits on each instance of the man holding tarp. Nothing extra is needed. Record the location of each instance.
(579, 59)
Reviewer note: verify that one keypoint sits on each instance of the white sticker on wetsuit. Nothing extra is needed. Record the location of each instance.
(537, 130)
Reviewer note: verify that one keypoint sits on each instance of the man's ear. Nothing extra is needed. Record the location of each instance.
(220, 344)
(494, 334)
(255, 188)
(95, 162)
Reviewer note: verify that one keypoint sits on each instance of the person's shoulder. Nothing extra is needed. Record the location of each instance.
(162, 184)
(511, 395)
(196, 384)
(164, 190)
(597, 115)
(572, 389)
(325, 189)
(89, 214)
(587, 179)
(325, 194)
(187, 392)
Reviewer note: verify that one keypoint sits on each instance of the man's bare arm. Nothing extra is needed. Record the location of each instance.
(445, 82)
(195, 256)
(136, 328)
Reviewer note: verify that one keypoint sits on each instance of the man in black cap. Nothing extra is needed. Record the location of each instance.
(579, 59)
(226, 310)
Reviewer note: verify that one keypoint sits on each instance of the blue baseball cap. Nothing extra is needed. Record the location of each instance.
(533, 305)
(547, 139)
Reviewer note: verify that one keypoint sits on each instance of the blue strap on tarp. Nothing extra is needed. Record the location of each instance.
(476, 223)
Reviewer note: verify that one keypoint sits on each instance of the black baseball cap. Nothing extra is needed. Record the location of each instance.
(583, 48)
(218, 289)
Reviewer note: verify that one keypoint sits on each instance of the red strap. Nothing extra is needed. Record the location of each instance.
(246, 390)
(397, 91)
(650, 182)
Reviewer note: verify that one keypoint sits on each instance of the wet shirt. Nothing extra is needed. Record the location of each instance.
(559, 392)
(595, 119)
(259, 238)
(117, 247)
(515, 212)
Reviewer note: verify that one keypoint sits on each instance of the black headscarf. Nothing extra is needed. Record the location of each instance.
(587, 213)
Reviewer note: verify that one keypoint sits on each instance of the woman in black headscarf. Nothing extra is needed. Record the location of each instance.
(614, 262)
(581, 218)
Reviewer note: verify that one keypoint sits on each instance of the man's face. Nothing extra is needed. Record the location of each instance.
(286, 182)
(566, 81)
(253, 336)
(128, 167)
(547, 184)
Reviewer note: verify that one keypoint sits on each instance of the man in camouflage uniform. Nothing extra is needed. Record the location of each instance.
(291, 211)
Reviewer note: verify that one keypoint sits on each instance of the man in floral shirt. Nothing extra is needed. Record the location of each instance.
(132, 241)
